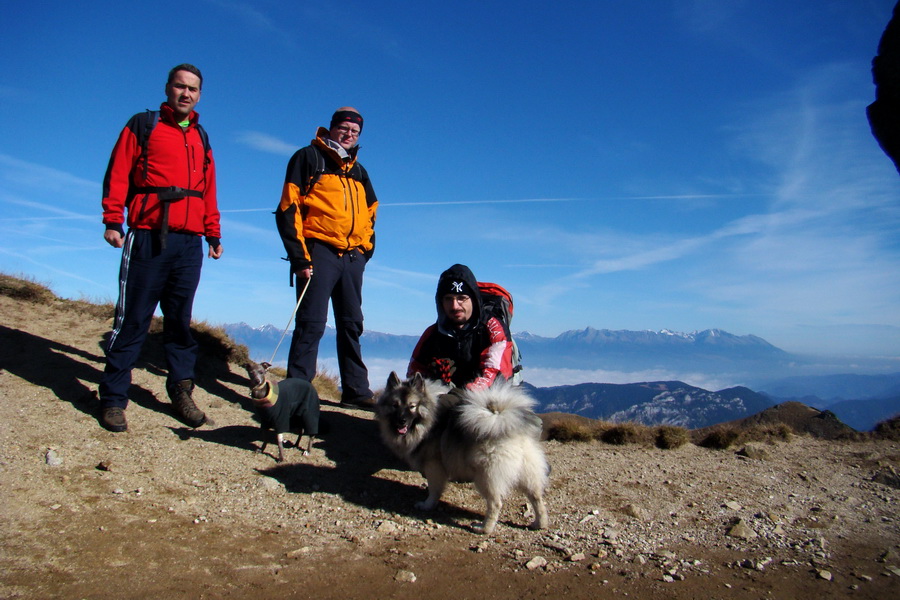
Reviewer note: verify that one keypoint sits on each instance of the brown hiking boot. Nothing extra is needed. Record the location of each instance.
(113, 419)
(366, 402)
(180, 394)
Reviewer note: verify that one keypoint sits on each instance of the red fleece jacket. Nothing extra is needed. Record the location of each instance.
(175, 157)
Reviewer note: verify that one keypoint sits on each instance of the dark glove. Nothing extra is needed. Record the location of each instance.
(443, 369)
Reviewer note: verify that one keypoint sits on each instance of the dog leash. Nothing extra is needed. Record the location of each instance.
(291, 320)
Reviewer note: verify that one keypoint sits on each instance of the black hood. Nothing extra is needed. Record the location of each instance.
(455, 275)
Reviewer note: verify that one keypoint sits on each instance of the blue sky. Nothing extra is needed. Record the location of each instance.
(623, 165)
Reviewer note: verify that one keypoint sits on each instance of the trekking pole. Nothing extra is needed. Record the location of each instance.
(296, 308)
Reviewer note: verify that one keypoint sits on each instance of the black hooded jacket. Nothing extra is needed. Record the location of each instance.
(472, 357)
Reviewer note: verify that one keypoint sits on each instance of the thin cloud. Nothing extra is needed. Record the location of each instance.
(426, 204)
(259, 235)
(9, 232)
(707, 16)
(391, 277)
(405, 273)
(20, 173)
(462, 202)
(266, 143)
(258, 21)
(64, 273)
(825, 249)
(642, 260)
(41, 209)
(598, 199)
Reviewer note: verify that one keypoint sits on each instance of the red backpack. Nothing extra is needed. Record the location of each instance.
(497, 302)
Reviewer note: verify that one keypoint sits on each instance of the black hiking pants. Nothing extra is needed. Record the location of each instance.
(150, 276)
(337, 277)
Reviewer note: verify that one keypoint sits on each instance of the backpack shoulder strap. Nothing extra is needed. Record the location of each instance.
(144, 125)
(206, 147)
(203, 136)
(316, 163)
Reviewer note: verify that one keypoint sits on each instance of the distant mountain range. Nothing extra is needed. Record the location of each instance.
(645, 348)
(711, 350)
(652, 403)
(860, 401)
(677, 403)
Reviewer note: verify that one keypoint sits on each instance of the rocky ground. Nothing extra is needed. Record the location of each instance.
(167, 511)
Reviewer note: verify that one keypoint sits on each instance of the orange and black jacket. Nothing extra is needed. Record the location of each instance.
(325, 199)
(175, 157)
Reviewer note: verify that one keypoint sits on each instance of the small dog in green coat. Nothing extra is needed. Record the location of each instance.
(291, 402)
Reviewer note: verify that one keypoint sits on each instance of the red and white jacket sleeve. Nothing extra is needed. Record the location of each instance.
(496, 359)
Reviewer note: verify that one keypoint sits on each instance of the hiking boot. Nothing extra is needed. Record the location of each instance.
(367, 402)
(180, 394)
(113, 419)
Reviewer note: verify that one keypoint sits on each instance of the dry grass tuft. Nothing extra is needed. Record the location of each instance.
(327, 385)
(87, 308)
(278, 372)
(670, 437)
(888, 430)
(567, 428)
(627, 433)
(773, 432)
(215, 342)
(29, 290)
(725, 436)
(720, 438)
(25, 289)
(572, 431)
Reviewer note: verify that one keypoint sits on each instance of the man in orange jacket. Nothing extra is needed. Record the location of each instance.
(326, 219)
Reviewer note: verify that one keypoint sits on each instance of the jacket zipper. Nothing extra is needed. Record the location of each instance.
(191, 168)
(349, 204)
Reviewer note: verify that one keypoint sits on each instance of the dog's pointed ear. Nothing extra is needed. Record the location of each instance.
(265, 366)
(393, 381)
(417, 382)
(256, 373)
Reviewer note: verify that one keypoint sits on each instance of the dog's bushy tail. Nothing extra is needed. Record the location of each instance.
(501, 411)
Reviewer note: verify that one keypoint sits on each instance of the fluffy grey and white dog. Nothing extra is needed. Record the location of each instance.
(490, 437)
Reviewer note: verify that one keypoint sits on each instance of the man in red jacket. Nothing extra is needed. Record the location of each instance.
(162, 174)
